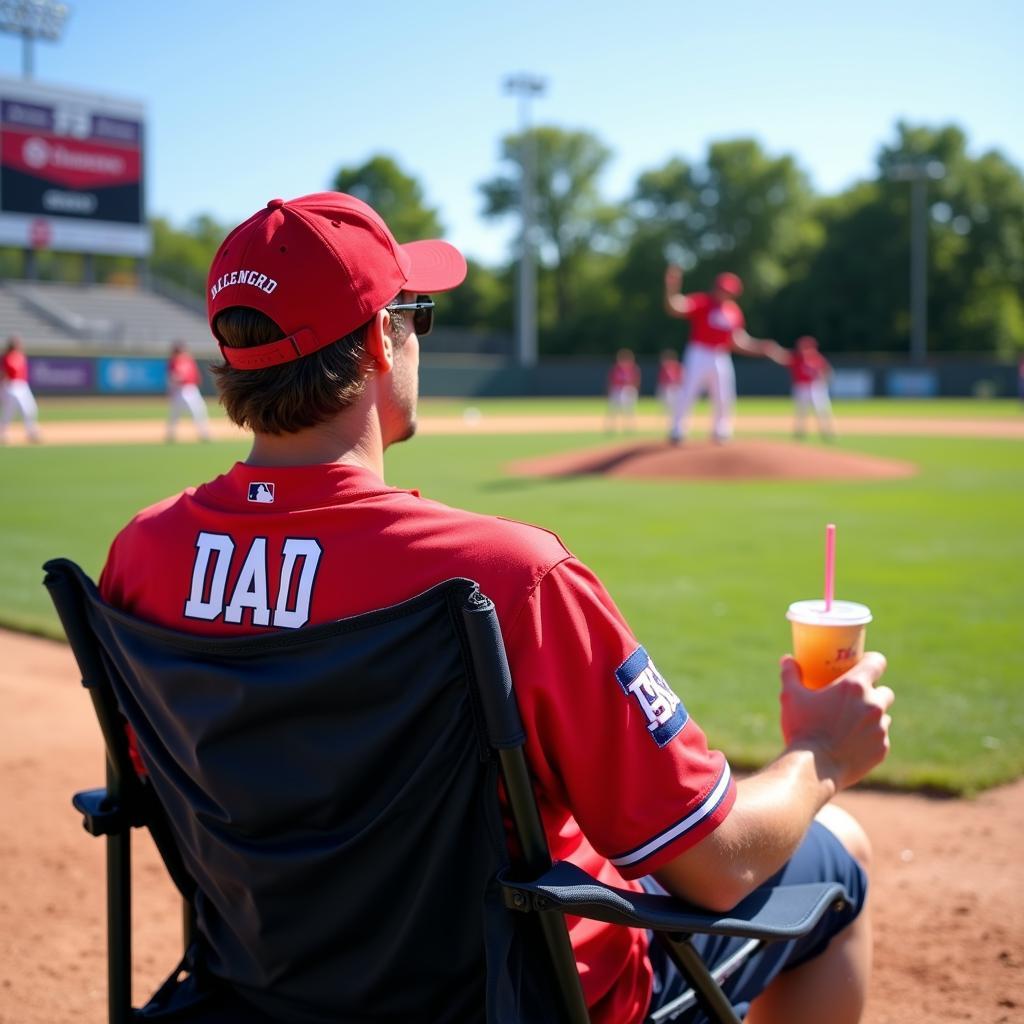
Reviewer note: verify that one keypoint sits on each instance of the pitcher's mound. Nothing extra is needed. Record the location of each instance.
(702, 460)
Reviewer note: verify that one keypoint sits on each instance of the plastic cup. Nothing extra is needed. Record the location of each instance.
(827, 643)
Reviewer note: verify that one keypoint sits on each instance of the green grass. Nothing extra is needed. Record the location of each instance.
(133, 408)
(702, 570)
(60, 409)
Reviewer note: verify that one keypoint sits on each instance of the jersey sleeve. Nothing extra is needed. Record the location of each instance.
(696, 302)
(607, 736)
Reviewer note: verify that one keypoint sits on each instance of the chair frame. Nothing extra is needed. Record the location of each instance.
(534, 886)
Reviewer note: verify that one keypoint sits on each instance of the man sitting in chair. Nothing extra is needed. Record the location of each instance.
(319, 314)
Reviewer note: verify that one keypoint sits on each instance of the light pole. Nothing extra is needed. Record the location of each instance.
(918, 173)
(32, 19)
(526, 86)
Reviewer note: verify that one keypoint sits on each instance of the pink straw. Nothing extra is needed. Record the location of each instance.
(830, 565)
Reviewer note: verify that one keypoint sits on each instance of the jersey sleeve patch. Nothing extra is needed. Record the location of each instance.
(642, 682)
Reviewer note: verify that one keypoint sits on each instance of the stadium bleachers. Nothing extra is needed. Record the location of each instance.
(56, 317)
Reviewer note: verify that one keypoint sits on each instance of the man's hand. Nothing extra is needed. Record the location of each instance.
(673, 279)
(845, 724)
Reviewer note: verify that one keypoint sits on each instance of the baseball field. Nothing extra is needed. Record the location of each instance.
(703, 548)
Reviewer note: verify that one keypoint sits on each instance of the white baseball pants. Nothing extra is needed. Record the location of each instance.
(188, 399)
(813, 395)
(16, 397)
(710, 370)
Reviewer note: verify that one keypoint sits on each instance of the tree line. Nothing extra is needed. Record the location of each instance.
(835, 266)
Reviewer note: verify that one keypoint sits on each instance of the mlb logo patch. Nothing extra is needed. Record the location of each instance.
(641, 681)
(263, 493)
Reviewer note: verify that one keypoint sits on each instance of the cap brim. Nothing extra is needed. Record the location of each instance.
(434, 266)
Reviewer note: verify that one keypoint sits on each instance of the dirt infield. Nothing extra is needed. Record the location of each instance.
(948, 885)
(96, 432)
(702, 460)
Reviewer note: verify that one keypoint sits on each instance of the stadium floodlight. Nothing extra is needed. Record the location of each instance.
(526, 86)
(918, 173)
(32, 20)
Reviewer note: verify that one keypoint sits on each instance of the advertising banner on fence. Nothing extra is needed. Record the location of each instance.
(912, 383)
(132, 376)
(55, 374)
(71, 171)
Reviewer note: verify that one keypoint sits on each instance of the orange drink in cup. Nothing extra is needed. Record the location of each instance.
(827, 641)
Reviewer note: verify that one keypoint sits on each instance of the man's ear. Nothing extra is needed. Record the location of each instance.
(379, 345)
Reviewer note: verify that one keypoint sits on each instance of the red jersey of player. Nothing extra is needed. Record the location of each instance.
(623, 390)
(15, 393)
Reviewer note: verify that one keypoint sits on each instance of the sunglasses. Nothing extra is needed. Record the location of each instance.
(422, 316)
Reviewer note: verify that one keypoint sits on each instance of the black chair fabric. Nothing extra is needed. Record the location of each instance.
(333, 795)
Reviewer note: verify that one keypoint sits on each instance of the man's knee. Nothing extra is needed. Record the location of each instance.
(845, 827)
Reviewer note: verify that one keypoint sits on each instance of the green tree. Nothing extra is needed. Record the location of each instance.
(483, 302)
(571, 218)
(395, 195)
(740, 209)
(855, 292)
(183, 255)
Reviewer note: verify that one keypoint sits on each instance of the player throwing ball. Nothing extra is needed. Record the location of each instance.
(717, 330)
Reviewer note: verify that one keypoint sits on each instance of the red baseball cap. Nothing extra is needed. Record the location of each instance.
(319, 266)
(729, 283)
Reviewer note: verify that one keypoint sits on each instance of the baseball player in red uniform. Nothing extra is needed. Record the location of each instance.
(183, 391)
(810, 372)
(717, 329)
(623, 390)
(670, 380)
(322, 365)
(15, 394)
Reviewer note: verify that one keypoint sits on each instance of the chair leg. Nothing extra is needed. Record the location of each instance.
(706, 986)
(119, 925)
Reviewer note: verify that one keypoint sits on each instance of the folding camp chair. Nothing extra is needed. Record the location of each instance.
(326, 801)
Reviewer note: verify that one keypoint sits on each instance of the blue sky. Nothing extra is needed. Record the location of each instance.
(250, 100)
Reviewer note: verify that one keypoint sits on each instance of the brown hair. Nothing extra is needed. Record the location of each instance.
(293, 396)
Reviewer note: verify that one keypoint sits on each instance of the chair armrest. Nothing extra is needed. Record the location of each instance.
(101, 815)
(768, 913)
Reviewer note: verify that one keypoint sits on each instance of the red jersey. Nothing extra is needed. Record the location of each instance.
(807, 367)
(182, 369)
(623, 375)
(15, 366)
(670, 374)
(624, 777)
(713, 322)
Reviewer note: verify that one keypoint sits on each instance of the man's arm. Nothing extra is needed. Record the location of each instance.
(676, 303)
(834, 737)
(743, 342)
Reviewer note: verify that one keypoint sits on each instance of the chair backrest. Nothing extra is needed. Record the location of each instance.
(332, 792)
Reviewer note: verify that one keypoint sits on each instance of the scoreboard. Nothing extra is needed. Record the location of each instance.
(71, 171)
